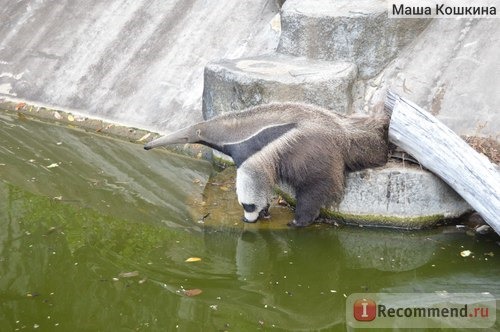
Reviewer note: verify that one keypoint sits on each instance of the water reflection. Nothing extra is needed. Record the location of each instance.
(393, 251)
(301, 276)
(65, 262)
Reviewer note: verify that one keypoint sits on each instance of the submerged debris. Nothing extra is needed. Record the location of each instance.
(465, 253)
(129, 274)
(192, 292)
(202, 220)
(193, 259)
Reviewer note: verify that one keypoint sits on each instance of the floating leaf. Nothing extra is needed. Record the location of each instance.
(224, 188)
(193, 259)
(465, 253)
(192, 292)
(129, 274)
(71, 118)
(282, 202)
(144, 137)
(19, 106)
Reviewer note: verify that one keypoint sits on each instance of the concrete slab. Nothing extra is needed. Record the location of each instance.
(233, 85)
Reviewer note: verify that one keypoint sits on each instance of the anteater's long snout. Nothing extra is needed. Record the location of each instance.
(178, 137)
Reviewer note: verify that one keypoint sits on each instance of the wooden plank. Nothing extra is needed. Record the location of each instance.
(444, 153)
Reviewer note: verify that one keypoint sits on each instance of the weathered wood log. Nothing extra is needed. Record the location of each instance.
(444, 153)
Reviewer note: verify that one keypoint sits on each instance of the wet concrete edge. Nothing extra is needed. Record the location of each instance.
(96, 126)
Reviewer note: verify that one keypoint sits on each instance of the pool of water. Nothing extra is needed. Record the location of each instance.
(96, 235)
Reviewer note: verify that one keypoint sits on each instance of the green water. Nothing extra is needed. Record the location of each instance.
(100, 241)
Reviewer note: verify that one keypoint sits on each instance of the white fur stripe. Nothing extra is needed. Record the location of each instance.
(257, 133)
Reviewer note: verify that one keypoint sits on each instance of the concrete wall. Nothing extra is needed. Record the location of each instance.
(139, 62)
(452, 70)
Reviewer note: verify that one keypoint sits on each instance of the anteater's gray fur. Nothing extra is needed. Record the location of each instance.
(307, 147)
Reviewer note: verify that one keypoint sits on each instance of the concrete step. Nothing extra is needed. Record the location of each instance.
(233, 85)
(396, 195)
(356, 31)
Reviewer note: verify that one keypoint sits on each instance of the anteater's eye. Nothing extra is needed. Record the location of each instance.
(249, 207)
(198, 132)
